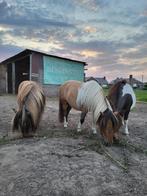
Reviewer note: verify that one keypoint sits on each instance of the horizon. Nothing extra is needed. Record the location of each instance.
(108, 35)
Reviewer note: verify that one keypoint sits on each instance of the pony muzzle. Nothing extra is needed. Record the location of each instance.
(106, 142)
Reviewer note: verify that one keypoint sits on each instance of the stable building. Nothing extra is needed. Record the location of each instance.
(48, 70)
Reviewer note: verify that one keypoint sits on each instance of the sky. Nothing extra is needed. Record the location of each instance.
(109, 35)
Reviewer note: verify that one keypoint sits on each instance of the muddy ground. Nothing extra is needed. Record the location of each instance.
(61, 162)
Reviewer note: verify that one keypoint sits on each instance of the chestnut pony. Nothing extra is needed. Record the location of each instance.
(122, 99)
(85, 97)
(31, 102)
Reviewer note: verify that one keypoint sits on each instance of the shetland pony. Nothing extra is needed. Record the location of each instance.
(31, 102)
(87, 97)
(122, 99)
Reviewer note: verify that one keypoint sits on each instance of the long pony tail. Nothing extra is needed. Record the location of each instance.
(61, 113)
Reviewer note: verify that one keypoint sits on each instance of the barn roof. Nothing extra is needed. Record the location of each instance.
(28, 51)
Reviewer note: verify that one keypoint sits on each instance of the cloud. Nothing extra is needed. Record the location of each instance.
(31, 43)
(7, 51)
(5, 10)
(90, 53)
(11, 15)
(109, 35)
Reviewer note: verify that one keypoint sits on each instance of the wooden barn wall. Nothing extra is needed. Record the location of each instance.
(37, 66)
(51, 90)
(3, 81)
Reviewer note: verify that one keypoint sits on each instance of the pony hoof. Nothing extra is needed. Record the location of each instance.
(94, 131)
(123, 133)
(126, 133)
(78, 130)
(65, 126)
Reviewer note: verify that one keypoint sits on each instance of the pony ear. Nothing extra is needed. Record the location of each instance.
(120, 116)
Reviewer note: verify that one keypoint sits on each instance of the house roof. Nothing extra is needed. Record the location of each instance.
(101, 81)
(133, 81)
(26, 52)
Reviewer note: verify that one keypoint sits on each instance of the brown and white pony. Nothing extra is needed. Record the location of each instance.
(122, 99)
(87, 97)
(31, 102)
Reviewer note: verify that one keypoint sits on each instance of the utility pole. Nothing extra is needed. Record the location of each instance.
(142, 78)
(142, 81)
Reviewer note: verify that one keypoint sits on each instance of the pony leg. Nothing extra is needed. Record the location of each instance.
(79, 127)
(65, 122)
(93, 125)
(126, 127)
(66, 112)
(82, 118)
(126, 122)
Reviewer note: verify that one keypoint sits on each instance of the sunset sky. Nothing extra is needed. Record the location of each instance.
(110, 35)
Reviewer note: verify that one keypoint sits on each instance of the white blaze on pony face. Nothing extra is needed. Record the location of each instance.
(127, 89)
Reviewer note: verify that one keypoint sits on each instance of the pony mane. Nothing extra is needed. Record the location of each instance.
(31, 102)
(117, 86)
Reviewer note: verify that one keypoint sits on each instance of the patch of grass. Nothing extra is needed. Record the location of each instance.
(58, 133)
(132, 147)
(141, 95)
(4, 141)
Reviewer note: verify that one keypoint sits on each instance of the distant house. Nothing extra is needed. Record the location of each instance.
(102, 81)
(116, 80)
(134, 82)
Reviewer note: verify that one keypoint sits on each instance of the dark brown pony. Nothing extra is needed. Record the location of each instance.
(87, 97)
(122, 99)
(31, 102)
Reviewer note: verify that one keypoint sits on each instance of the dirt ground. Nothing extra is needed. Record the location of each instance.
(62, 162)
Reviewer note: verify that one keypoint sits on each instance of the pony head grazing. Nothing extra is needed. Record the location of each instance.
(31, 102)
(108, 124)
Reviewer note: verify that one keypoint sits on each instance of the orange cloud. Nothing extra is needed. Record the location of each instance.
(89, 29)
(94, 71)
(129, 61)
(90, 53)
